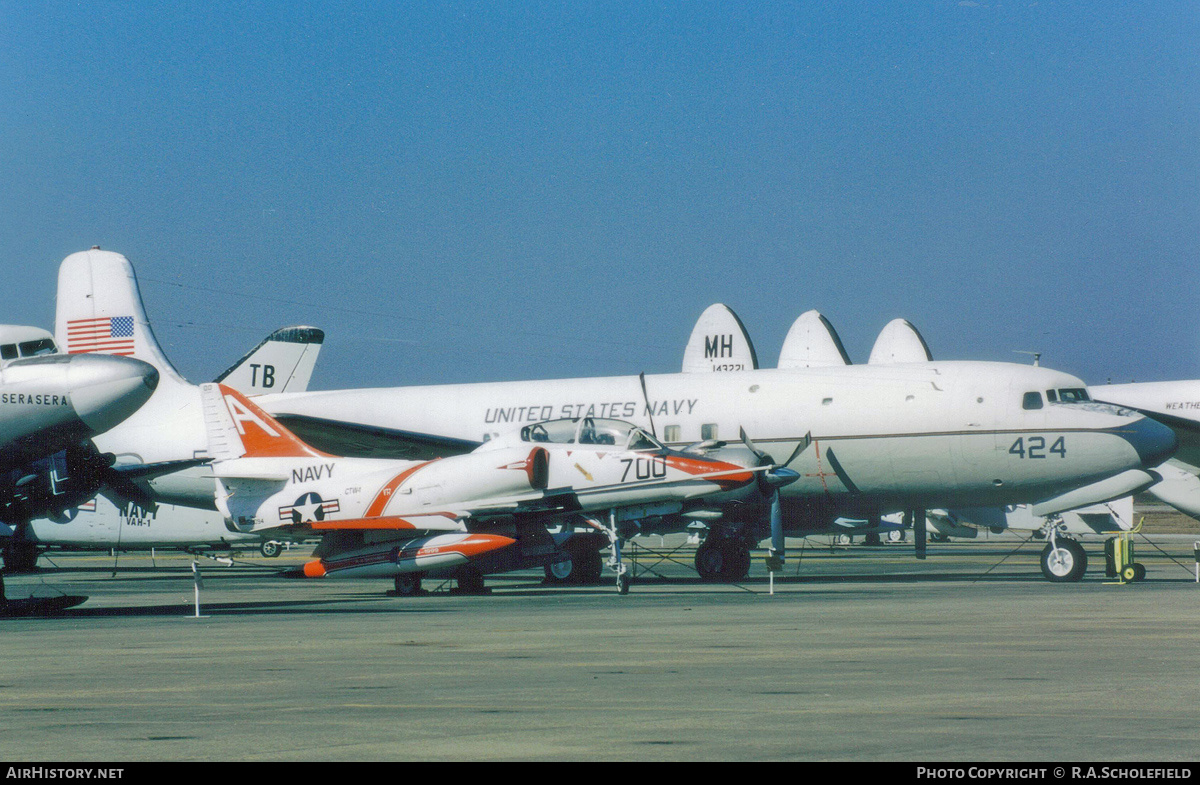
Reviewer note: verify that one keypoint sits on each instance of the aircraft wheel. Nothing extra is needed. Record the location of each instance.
(623, 583)
(271, 549)
(710, 560)
(20, 557)
(737, 561)
(1064, 564)
(408, 584)
(586, 563)
(560, 572)
(1139, 572)
(470, 581)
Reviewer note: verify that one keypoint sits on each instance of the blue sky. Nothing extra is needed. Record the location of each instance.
(473, 191)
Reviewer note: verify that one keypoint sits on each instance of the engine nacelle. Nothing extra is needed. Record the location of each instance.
(47, 487)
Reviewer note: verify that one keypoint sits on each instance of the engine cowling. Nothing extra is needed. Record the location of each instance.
(49, 486)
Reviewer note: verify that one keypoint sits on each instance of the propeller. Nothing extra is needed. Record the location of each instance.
(770, 481)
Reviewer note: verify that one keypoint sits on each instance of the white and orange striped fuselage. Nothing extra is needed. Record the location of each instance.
(270, 483)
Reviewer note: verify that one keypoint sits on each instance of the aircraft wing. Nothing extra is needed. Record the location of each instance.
(353, 440)
(1187, 431)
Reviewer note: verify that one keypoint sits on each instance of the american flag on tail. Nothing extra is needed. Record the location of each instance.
(107, 335)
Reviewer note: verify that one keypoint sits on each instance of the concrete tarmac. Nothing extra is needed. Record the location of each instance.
(861, 654)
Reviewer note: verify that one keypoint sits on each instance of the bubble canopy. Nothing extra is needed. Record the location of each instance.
(592, 431)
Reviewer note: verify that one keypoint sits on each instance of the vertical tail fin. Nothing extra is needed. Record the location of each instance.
(100, 309)
(719, 342)
(812, 343)
(238, 429)
(283, 362)
(899, 342)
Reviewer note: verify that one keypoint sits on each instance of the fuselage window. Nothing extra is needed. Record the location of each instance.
(671, 434)
(1032, 400)
(708, 431)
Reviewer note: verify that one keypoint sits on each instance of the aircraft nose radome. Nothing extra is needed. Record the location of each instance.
(1153, 441)
(104, 390)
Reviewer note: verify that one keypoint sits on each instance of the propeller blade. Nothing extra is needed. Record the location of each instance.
(918, 527)
(777, 543)
(801, 447)
(750, 445)
(127, 488)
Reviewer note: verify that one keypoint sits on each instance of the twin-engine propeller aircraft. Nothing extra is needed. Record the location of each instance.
(406, 519)
(51, 405)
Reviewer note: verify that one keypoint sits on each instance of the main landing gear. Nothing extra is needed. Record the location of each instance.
(724, 559)
(578, 564)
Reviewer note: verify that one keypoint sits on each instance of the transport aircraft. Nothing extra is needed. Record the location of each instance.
(51, 405)
(812, 342)
(129, 519)
(884, 438)
(403, 519)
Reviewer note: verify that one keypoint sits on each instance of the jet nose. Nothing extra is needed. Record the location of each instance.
(104, 390)
(1153, 441)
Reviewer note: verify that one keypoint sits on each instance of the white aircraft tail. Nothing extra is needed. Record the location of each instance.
(899, 342)
(283, 362)
(100, 309)
(719, 342)
(812, 343)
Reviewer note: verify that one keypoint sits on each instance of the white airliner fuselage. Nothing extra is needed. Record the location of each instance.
(884, 437)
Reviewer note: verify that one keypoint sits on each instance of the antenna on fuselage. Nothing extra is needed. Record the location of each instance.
(646, 400)
(1037, 357)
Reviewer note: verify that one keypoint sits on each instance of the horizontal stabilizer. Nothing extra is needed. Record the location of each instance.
(719, 342)
(812, 343)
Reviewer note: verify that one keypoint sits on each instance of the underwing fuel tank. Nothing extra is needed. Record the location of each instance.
(421, 554)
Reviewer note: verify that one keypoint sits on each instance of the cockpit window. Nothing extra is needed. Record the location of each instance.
(1052, 396)
(8, 351)
(590, 430)
(1032, 400)
(1073, 395)
(37, 348)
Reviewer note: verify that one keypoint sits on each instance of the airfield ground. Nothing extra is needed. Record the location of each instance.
(862, 653)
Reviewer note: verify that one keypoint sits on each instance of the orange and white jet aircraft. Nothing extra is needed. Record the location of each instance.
(403, 519)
